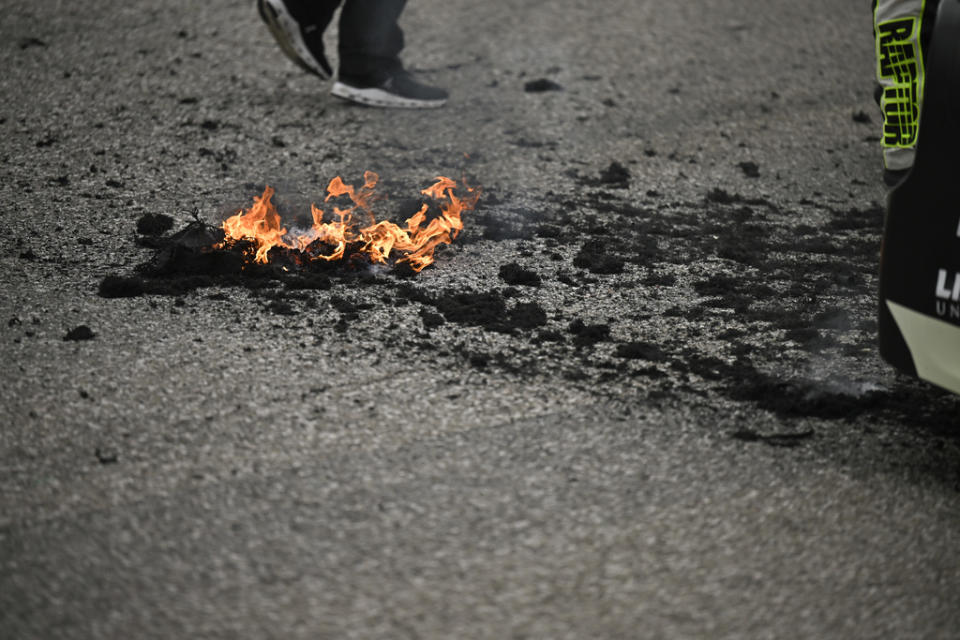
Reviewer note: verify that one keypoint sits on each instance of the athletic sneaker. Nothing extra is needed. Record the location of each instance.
(389, 89)
(302, 43)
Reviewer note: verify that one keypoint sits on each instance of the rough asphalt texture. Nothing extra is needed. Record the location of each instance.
(639, 397)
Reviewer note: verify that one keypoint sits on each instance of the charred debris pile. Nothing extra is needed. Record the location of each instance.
(725, 292)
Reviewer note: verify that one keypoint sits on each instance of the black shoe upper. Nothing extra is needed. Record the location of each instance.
(398, 82)
(310, 32)
(313, 38)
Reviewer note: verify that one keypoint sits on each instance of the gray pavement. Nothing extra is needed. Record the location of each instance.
(204, 467)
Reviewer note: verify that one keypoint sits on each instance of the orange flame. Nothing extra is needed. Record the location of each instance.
(415, 242)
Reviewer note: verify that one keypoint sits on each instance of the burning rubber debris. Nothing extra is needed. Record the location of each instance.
(352, 230)
(257, 245)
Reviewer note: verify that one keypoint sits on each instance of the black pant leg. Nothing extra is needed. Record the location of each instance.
(313, 12)
(370, 37)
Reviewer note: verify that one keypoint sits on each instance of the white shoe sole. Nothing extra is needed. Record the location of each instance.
(286, 31)
(374, 97)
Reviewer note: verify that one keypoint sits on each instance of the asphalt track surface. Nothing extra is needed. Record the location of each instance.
(677, 427)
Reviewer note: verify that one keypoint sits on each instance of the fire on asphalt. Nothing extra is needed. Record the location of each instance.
(631, 389)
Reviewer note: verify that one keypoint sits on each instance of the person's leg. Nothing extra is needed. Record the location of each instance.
(370, 37)
(901, 29)
(298, 27)
(370, 69)
(315, 12)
